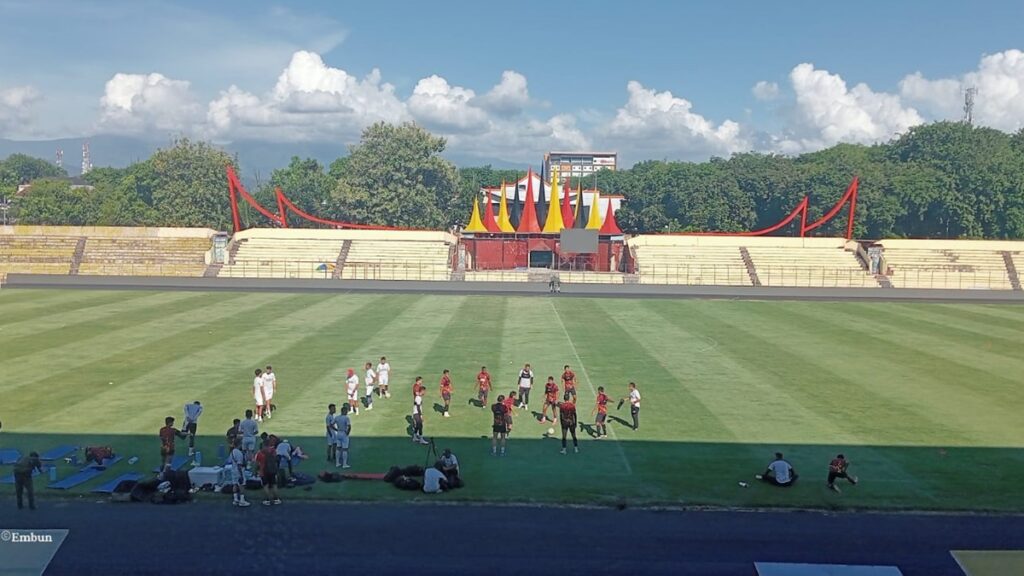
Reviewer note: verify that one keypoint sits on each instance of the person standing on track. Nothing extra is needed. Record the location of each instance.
(343, 428)
(257, 392)
(525, 384)
(192, 413)
(550, 400)
(446, 390)
(371, 378)
(567, 416)
(499, 429)
(483, 386)
(269, 389)
(332, 431)
(383, 377)
(417, 414)
(601, 409)
(569, 383)
(352, 391)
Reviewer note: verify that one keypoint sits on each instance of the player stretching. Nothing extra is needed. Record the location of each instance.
(417, 415)
(601, 408)
(500, 427)
(569, 383)
(837, 469)
(567, 414)
(371, 377)
(550, 400)
(352, 388)
(383, 377)
(525, 383)
(192, 412)
(269, 389)
(331, 431)
(257, 393)
(446, 390)
(483, 386)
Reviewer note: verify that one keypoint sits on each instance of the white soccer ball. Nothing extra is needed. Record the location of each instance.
(551, 431)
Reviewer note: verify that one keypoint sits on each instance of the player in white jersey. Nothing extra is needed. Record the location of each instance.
(192, 413)
(371, 377)
(352, 391)
(257, 393)
(269, 388)
(383, 377)
(417, 418)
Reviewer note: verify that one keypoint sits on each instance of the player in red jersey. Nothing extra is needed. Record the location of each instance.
(446, 390)
(567, 415)
(838, 469)
(569, 383)
(483, 386)
(501, 412)
(601, 409)
(418, 389)
(550, 399)
(510, 403)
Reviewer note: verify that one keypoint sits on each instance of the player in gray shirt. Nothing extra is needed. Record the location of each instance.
(249, 430)
(343, 427)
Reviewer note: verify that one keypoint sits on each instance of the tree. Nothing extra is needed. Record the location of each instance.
(395, 176)
(304, 182)
(186, 185)
(53, 202)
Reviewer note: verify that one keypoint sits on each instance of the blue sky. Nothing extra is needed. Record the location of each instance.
(511, 80)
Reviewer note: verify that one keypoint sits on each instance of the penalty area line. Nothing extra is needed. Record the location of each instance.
(579, 362)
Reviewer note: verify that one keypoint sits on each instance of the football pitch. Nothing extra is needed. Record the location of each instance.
(925, 400)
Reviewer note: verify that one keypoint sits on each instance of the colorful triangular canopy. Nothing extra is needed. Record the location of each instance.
(504, 223)
(610, 226)
(568, 218)
(489, 223)
(594, 223)
(475, 225)
(528, 221)
(553, 223)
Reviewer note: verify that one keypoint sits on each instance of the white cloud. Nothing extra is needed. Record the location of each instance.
(439, 106)
(508, 97)
(765, 90)
(310, 101)
(999, 103)
(662, 124)
(135, 103)
(16, 108)
(828, 112)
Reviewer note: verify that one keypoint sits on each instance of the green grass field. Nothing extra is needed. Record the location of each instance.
(925, 399)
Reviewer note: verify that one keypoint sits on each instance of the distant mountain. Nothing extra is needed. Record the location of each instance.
(257, 158)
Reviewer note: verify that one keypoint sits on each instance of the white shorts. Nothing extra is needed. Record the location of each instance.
(353, 395)
(248, 444)
(383, 379)
(341, 441)
(369, 389)
(268, 394)
(259, 400)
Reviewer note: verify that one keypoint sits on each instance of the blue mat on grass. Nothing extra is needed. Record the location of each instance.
(107, 463)
(9, 456)
(177, 462)
(58, 452)
(108, 488)
(82, 476)
(9, 479)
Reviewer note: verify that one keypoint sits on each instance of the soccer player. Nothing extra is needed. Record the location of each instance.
(237, 463)
(779, 472)
(352, 388)
(343, 428)
(192, 412)
(269, 389)
(569, 383)
(483, 386)
(550, 399)
(525, 383)
(383, 377)
(167, 434)
(567, 415)
(250, 430)
(331, 431)
(499, 429)
(232, 435)
(601, 409)
(369, 380)
(837, 469)
(634, 404)
(267, 461)
(510, 403)
(257, 392)
(417, 415)
(418, 388)
(446, 390)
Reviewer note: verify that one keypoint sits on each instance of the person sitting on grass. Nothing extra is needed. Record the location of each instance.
(837, 469)
(450, 467)
(434, 481)
(779, 472)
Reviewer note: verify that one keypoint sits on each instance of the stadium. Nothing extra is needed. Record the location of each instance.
(903, 355)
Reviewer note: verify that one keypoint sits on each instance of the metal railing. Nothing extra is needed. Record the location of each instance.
(380, 270)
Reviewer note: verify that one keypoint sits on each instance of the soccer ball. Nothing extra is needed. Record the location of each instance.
(551, 431)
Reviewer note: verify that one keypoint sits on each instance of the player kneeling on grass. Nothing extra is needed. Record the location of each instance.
(268, 466)
(837, 469)
(499, 429)
(237, 463)
(779, 472)
(567, 416)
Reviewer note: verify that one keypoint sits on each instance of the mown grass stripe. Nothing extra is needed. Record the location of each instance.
(69, 301)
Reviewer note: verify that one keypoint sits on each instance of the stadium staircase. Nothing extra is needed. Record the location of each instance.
(1011, 270)
(749, 263)
(883, 281)
(233, 249)
(76, 257)
(212, 270)
(339, 264)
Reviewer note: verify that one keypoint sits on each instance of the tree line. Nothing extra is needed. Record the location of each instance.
(941, 180)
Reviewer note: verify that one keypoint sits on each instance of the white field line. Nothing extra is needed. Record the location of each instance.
(593, 391)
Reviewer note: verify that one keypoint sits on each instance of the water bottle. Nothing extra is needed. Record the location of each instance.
(198, 458)
(133, 459)
(53, 473)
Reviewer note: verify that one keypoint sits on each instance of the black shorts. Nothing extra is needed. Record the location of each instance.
(568, 424)
(553, 402)
(500, 428)
(190, 428)
(601, 417)
(269, 479)
(166, 451)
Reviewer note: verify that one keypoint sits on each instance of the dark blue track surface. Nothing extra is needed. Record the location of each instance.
(318, 538)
